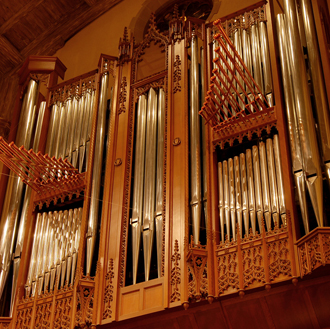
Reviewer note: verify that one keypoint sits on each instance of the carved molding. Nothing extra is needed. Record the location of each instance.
(314, 250)
(177, 75)
(85, 303)
(197, 271)
(24, 317)
(108, 294)
(122, 96)
(154, 84)
(175, 274)
(43, 316)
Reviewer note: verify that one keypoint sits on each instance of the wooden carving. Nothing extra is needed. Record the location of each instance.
(197, 271)
(43, 316)
(122, 96)
(85, 299)
(227, 272)
(24, 318)
(175, 274)
(108, 295)
(63, 308)
(177, 75)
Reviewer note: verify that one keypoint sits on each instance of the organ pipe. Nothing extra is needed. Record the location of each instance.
(296, 156)
(14, 192)
(194, 138)
(97, 172)
(24, 213)
(137, 203)
(159, 178)
(320, 96)
(249, 183)
(308, 140)
(149, 193)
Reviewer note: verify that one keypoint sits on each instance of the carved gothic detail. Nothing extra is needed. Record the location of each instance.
(85, 301)
(108, 294)
(279, 262)
(63, 312)
(177, 75)
(24, 318)
(43, 78)
(253, 269)
(175, 274)
(122, 96)
(197, 271)
(227, 272)
(314, 250)
(43, 316)
(124, 48)
(155, 85)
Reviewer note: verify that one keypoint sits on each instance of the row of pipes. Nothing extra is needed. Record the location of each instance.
(251, 189)
(70, 128)
(147, 202)
(54, 251)
(309, 137)
(68, 137)
(248, 33)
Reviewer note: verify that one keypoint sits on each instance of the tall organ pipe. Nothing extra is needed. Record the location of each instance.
(137, 204)
(14, 192)
(321, 101)
(265, 185)
(232, 196)
(221, 202)
(296, 156)
(159, 180)
(97, 172)
(149, 193)
(257, 185)
(204, 171)
(251, 194)
(226, 196)
(238, 193)
(26, 203)
(256, 60)
(195, 166)
(308, 139)
(265, 60)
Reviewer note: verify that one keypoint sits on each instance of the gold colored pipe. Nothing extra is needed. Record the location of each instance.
(238, 194)
(226, 196)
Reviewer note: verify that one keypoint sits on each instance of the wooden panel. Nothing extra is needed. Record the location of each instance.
(153, 296)
(130, 302)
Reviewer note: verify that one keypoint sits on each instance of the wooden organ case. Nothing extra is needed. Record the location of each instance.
(202, 191)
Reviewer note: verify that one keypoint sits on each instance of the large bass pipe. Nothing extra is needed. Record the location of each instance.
(137, 203)
(149, 194)
(14, 192)
(320, 96)
(195, 156)
(24, 213)
(296, 156)
(204, 169)
(97, 172)
(308, 139)
(159, 178)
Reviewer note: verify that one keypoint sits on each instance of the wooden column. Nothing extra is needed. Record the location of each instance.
(177, 173)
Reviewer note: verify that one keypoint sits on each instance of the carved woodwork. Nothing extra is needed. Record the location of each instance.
(175, 274)
(314, 250)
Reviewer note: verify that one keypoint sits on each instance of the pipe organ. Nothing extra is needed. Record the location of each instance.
(214, 157)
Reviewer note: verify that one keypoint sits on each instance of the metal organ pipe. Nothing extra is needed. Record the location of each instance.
(159, 177)
(308, 139)
(53, 249)
(195, 159)
(14, 192)
(137, 203)
(149, 194)
(26, 202)
(320, 96)
(244, 188)
(97, 172)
